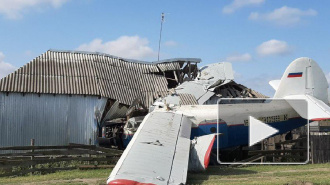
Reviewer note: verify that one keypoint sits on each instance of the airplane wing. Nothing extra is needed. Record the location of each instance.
(158, 152)
(312, 108)
(199, 158)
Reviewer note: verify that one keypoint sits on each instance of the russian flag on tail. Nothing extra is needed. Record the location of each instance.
(293, 75)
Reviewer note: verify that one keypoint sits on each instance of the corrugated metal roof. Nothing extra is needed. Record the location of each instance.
(85, 73)
(169, 66)
(257, 94)
(187, 99)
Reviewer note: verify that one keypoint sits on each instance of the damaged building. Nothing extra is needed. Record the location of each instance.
(213, 81)
(63, 97)
(60, 97)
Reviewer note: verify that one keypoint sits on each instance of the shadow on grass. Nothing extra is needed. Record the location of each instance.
(220, 171)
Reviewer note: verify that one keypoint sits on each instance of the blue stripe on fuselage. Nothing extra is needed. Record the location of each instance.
(236, 135)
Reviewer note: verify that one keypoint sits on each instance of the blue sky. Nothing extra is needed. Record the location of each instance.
(259, 37)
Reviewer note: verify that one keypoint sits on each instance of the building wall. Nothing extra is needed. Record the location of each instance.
(49, 119)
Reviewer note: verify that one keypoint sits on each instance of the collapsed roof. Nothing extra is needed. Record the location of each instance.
(213, 81)
(125, 80)
(92, 73)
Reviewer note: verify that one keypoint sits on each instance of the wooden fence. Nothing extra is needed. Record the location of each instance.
(320, 148)
(45, 159)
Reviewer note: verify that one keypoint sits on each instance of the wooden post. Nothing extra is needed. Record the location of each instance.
(32, 144)
(189, 73)
(176, 77)
(90, 143)
(262, 148)
(312, 154)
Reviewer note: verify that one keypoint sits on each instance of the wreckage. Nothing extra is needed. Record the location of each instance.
(73, 95)
(211, 83)
(70, 93)
(175, 138)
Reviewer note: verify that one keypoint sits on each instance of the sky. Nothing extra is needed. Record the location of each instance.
(259, 37)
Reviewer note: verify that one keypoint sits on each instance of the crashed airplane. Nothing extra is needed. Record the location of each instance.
(174, 138)
(214, 81)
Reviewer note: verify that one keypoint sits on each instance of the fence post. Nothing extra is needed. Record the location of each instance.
(32, 144)
(312, 155)
(89, 155)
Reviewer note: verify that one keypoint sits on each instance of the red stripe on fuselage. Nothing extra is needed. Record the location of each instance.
(211, 123)
(127, 182)
(214, 123)
(319, 119)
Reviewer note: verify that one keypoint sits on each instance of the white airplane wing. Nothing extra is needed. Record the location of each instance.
(200, 152)
(158, 152)
(312, 108)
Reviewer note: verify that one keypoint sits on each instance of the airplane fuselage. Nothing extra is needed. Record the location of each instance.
(231, 120)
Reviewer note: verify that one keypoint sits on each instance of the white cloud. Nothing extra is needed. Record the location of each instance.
(132, 47)
(170, 43)
(274, 47)
(5, 68)
(14, 9)
(237, 4)
(284, 16)
(239, 58)
(28, 52)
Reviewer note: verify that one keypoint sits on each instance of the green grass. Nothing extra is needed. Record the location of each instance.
(266, 174)
(68, 177)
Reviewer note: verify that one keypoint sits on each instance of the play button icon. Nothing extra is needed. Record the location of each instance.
(259, 131)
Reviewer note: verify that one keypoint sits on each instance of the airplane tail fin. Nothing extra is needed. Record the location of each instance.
(305, 80)
(303, 77)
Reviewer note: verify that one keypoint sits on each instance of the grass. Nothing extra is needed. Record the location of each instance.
(62, 177)
(266, 174)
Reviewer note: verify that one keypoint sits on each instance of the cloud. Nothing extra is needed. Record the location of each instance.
(14, 9)
(273, 47)
(5, 68)
(237, 4)
(284, 16)
(239, 58)
(28, 52)
(132, 47)
(170, 43)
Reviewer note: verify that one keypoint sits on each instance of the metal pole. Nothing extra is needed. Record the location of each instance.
(160, 34)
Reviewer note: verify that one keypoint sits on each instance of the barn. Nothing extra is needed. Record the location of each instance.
(60, 97)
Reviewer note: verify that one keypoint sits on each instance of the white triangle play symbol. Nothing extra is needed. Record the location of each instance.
(259, 131)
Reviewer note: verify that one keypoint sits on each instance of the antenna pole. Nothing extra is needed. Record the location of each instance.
(160, 34)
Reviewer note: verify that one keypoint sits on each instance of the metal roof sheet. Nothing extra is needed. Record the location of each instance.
(91, 73)
(187, 99)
